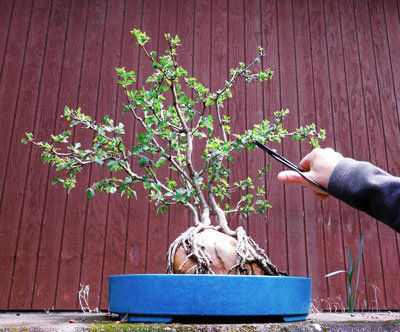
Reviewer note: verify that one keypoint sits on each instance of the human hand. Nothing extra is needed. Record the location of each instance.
(318, 165)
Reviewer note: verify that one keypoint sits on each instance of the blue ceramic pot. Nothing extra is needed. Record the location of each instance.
(183, 297)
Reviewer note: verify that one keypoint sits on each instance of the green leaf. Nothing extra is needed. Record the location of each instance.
(108, 121)
(141, 37)
(176, 41)
(172, 184)
(164, 88)
(209, 102)
(113, 165)
(161, 161)
(61, 166)
(208, 122)
(162, 209)
(143, 161)
(90, 193)
(98, 160)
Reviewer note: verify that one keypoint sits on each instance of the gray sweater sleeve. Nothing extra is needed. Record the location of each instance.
(369, 189)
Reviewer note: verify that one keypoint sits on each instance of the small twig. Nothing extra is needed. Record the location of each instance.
(123, 320)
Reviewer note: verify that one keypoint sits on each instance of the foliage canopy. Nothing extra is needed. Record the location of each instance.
(176, 113)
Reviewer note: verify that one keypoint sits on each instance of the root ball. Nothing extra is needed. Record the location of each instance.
(221, 250)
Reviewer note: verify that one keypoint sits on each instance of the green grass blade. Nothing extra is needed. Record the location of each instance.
(359, 265)
(350, 263)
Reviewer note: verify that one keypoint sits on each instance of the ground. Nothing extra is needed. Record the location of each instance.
(73, 321)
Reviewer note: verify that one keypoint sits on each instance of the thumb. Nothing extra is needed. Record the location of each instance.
(292, 177)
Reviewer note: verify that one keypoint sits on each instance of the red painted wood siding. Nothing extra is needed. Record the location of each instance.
(336, 63)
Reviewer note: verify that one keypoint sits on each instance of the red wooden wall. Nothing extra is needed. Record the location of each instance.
(336, 63)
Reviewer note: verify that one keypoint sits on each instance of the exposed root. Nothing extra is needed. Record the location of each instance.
(248, 251)
(194, 252)
(250, 258)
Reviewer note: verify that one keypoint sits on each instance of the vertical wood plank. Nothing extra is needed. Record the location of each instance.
(11, 71)
(165, 14)
(330, 216)
(97, 209)
(138, 221)
(369, 226)
(342, 130)
(203, 42)
(104, 215)
(276, 225)
(47, 116)
(6, 14)
(19, 155)
(30, 231)
(10, 83)
(293, 194)
(74, 228)
(54, 208)
(357, 128)
(218, 49)
(136, 231)
(390, 128)
(179, 218)
(255, 113)
(307, 114)
(14, 35)
(156, 224)
(217, 69)
(237, 105)
(392, 14)
(92, 236)
(116, 235)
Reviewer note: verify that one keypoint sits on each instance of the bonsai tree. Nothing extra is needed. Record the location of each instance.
(178, 114)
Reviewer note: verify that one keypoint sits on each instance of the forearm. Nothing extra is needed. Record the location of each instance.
(367, 188)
